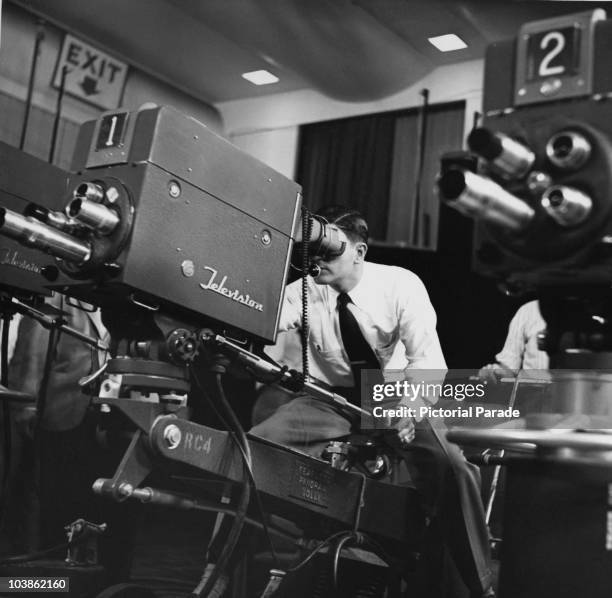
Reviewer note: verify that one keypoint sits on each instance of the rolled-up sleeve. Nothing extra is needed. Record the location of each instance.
(417, 324)
(291, 311)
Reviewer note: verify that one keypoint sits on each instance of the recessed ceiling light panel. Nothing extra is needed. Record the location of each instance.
(260, 77)
(448, 42)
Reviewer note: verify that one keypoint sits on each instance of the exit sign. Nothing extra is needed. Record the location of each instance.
(91, 75)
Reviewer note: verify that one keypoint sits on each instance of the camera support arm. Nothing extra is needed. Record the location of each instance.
(261, 367)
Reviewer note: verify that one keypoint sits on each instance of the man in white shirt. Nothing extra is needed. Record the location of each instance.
(392, 309)
(520, 351)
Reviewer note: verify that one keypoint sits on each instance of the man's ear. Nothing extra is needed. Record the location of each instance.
(362, 249)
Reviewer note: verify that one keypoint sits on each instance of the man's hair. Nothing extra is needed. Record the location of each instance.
(346, 219)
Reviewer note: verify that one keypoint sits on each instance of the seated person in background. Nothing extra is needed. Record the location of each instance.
(520, 351)
(392, 308)
(59, 456)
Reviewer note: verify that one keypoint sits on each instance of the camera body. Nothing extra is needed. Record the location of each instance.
(177, 220)
(549, 146)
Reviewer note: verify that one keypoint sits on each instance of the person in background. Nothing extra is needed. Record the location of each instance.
(60, 456)
(520, 350)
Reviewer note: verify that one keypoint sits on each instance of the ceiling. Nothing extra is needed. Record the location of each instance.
(351, 50)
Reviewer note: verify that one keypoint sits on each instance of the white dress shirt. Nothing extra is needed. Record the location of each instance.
(394, 313)
(521, 347)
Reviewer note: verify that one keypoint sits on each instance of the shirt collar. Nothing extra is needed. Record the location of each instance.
(358, 293)
(332, 297)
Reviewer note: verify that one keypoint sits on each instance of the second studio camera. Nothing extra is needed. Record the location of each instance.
(542, 193)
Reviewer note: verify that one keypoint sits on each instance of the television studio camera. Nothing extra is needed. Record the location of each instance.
(538, 181)
(185, 243)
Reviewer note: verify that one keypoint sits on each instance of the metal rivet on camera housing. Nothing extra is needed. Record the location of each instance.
(174, 189)
(188, 268)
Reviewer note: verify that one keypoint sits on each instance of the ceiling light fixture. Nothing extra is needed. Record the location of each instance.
(448, 42)
(260, 77)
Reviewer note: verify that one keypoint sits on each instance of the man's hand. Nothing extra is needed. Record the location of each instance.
(494, 372)
(406, 429)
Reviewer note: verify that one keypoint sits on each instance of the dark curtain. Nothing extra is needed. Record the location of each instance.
(370, 163)
(349, 162)
(413, 223)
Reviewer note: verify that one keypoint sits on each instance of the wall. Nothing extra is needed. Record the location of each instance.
(18, 35)
(275, 147)
(268, 126)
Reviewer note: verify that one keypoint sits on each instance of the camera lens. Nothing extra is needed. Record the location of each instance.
(568, 150)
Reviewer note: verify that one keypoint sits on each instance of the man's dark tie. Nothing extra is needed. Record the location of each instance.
(360, 353)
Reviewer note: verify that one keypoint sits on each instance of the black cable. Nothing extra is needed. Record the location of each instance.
(248, 460)
(6, 415)
(4, 347)
(315, 551)
(259, 504)
(206, 585)
(343, 538)
(361, 540)
(336, 560)
(235, 532)
(43, 389)
(304, 330)
(236, 426)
